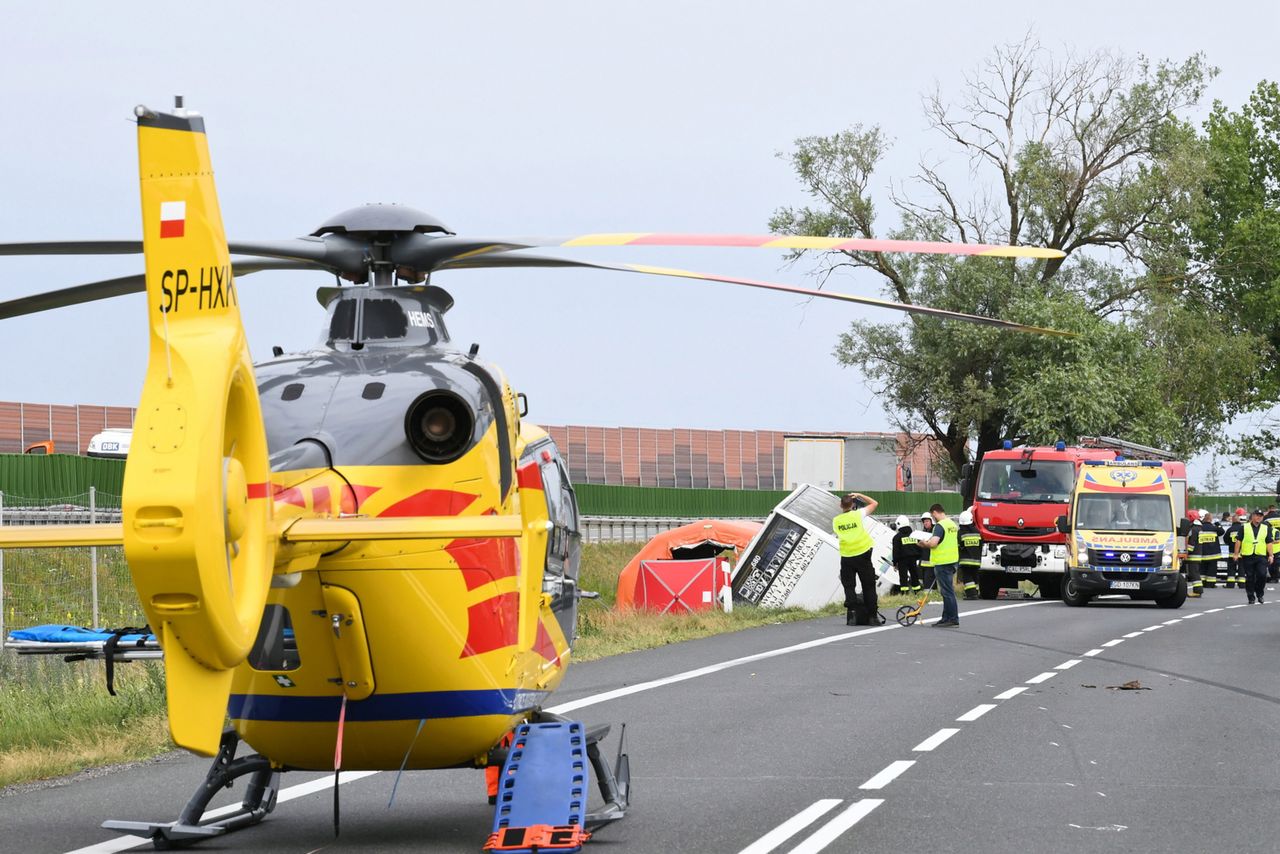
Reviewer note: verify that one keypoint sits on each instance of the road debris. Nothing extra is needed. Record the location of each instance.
(1131, 685)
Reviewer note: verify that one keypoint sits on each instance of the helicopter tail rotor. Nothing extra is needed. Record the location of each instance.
(198, 530)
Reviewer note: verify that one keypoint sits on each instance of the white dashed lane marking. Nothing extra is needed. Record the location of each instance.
(1012, 692)
(976, 712)
(888, 775)
(1114, 642)
(936, 739)
(1043, 677)
(831, 831)
(1067, 665)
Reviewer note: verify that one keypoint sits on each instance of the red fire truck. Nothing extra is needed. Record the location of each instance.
(1017, 493)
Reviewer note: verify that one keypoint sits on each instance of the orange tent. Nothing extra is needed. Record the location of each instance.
(705, 538)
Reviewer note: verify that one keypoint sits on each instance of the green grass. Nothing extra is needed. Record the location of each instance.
(57, 718)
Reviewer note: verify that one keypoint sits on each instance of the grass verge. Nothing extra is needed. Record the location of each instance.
(57, 718)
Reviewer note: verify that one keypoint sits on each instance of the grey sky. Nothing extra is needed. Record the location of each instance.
(517, 119)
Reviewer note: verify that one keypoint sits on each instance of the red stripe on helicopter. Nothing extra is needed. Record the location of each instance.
(258, 490)
(360, 493)
(320, 499)
(292, 495)
(528, 476)
(492, 624)
(484, 561)
(431, 502)
(544, 646)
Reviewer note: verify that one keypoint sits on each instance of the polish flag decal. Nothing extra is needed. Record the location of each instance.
(173, 219)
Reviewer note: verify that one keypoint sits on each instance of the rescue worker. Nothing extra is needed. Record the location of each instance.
(1272, 518)
(855, 559)
(1192, 563)
(906, 558)
(970, 554)
(1210, 548)
(944, 553)
(1235, 575)
(926, 560)
(1254, 551)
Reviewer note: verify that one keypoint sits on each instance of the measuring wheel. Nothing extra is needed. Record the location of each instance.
(907, 615)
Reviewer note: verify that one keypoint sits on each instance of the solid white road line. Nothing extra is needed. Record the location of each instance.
(1114, 642)
(1042, 677)
(831, 831)
(889, 774)
(1012, 692)
(738, 662)
(936, 739)
(1067, 665)
(790, 827)
(124, 843)
(976, 712)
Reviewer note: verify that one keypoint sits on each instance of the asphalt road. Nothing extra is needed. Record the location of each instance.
(1007, 734)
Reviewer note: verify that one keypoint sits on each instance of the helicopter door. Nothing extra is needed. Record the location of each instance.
(350, 643)
(561, 577)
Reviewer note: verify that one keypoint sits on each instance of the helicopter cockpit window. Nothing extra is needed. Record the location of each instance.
(276, 647)
(342, 325)
(384, 318)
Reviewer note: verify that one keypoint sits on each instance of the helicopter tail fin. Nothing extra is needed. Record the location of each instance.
(198, 532)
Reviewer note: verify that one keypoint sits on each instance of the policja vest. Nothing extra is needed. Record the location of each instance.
(1254, 541)
(947, 551)
(854, 539)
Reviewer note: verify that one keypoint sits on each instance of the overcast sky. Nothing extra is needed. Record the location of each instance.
(518, 119)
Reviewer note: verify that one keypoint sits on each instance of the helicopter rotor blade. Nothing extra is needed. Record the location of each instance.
(73, 247)
(429, 253)
(117, 287)
(478, 262)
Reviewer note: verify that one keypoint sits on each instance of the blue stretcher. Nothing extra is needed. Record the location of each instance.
(79, 641)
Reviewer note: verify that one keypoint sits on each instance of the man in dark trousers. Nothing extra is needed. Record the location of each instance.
(1272, 518)
(944, 550)
(1253, 552)
(926, 562)
(906, 558)
(855, 558)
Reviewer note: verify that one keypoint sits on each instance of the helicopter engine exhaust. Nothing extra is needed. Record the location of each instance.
(439, 426)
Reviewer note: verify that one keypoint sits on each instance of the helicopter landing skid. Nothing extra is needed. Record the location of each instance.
(542, 794)
(259, 799)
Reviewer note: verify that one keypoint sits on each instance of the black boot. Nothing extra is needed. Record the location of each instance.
(850, 619)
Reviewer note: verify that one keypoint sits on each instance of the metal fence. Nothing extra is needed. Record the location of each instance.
(71, 586)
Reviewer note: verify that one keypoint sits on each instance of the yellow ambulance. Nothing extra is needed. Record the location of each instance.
(1121, 536)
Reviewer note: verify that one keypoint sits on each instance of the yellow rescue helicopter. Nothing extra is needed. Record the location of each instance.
(362, 554)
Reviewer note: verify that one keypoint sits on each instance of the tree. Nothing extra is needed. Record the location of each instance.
(1083, 154)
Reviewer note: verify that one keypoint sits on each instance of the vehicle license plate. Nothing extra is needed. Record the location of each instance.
(1124, 585)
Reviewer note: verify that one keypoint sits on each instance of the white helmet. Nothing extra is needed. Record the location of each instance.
(926, 515)
(965, 517)
(902, 522)
(1203, 513)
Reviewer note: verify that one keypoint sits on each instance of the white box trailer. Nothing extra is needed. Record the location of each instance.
(795, 559)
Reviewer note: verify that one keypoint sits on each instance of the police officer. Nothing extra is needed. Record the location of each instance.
(1254, 551)
(944, 553)
(855, 558)
(1192, 563)
(926, 560)
(970, 554)
(906, 557)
